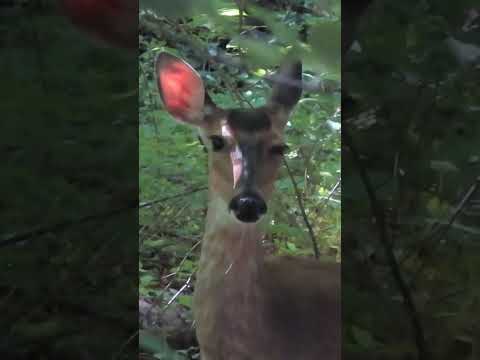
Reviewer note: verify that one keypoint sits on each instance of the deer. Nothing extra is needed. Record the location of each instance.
(249, 306)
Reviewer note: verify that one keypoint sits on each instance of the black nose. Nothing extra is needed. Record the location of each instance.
(248, 208)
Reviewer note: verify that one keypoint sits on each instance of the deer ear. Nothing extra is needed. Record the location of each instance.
(287, 86)
(181, 89)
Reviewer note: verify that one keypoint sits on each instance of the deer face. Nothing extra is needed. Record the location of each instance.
(245, 146)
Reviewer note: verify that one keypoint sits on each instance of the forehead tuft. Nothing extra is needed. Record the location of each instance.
(249, 120)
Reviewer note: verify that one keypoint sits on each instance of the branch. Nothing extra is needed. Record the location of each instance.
(82, 220)
(379, 215)
(162, 29)
(189, 192)
(302, 209)
(461, 206)
(439, 229)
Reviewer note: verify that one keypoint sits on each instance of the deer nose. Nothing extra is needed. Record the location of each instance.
(248, 208)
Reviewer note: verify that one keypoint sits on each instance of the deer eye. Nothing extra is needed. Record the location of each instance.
(278, 149)
(218, 143)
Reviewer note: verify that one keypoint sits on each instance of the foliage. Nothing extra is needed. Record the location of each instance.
(414, 120)
(67, 142)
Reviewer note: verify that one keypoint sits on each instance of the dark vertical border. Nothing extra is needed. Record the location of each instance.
(69, 188)
(410, 187)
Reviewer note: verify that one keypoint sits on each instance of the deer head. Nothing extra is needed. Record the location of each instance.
(245, 145)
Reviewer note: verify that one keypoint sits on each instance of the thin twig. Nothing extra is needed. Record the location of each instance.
(463, 203)
(185, 285)
(189, 192)
(85, 219)
(330, 194)
(302, 209)
(125, 344)
(379, 215)
(440, 230)
(180, 265)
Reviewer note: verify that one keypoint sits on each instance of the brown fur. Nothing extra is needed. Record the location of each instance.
(249, 307)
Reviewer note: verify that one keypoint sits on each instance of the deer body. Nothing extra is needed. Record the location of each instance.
(247, 306)
(274, 308)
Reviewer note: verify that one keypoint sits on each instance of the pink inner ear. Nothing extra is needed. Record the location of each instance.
(181, 89)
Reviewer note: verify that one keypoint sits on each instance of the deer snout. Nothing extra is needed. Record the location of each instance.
(248, 207)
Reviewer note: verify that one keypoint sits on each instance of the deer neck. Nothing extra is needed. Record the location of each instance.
(228, 295)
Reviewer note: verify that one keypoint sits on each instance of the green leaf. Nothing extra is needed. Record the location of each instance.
(186, 300)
